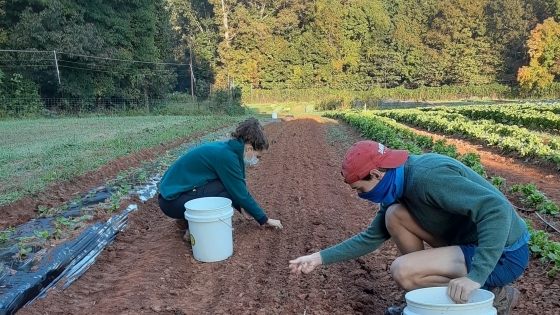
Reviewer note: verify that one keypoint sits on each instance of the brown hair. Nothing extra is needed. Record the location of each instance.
(251, 131)
(368, 176)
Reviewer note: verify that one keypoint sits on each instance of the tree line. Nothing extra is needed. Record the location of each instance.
(149, 48)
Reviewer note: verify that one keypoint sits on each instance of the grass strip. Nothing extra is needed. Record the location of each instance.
(35, 153)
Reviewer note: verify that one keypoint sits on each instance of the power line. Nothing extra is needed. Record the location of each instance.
(12, 60)
(94, 57)
(113, 72)
(30, 51)
(125, 60)
(177, 72)
(98, 70)
(17, 66)
(60, 61)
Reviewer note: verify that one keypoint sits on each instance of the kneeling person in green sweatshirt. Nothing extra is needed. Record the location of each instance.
(216, 169)
(477, 239)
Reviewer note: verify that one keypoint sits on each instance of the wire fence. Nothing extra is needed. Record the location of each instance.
(52, 107)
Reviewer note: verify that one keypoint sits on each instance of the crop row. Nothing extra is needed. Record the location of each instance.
(398, 136)
(532, 116)
(507, 138)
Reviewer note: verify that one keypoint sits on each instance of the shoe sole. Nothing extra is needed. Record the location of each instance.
(515, 299)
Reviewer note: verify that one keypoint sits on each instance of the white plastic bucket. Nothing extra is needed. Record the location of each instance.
(274, 115)
(432, 301)
(210, 228)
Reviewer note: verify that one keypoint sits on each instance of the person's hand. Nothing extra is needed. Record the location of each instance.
(274, 223)
(305, 264)
(460, 288)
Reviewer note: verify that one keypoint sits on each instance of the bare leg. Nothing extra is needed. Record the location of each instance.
(419, 267)
(433, 267)
(406, 232)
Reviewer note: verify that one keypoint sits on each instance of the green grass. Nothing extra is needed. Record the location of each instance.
(34, 153)
(287, 108)
(336, 134)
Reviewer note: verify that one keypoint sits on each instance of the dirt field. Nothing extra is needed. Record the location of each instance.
(150, 270)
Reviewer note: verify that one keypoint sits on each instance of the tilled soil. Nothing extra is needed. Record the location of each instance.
(149, 269)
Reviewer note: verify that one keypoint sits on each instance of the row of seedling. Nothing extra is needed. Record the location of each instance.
(387, 130)
(22, 246)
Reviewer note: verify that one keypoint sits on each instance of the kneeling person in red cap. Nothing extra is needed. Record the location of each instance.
(476, 238)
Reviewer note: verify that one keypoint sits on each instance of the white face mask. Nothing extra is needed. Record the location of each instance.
(249, 162)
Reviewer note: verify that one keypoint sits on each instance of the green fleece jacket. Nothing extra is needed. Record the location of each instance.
(223, 160)
(450, 201)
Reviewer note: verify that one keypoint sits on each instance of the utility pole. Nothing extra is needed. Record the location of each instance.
(56, 63)
(192, 72)
(228, 84)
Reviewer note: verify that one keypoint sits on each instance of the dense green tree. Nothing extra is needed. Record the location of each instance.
(509, 23)
(144, 49)
(384, 68)
(367, 58)
(3, 34)
(222, 12)
(112, 31)
(555, 8)
(459, 36)
(282, 65)
(251, 29)
(329, 35)
(412, 21)
(53, 28)
(130, 32)
(543, 9)
(544, 54)
(3, 26)
(196, 39)
(277, 66)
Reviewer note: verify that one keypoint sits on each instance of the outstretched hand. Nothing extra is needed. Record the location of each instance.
(305, 264)
(460, 288)
(274, 223)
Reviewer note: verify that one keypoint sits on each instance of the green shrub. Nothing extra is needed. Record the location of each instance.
(19, 97)
(331, 104)
(228, 102)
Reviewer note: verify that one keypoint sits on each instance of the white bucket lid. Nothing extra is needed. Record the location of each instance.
(208, 209)
(436, 299)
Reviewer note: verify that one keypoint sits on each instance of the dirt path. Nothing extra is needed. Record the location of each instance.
(150, 270)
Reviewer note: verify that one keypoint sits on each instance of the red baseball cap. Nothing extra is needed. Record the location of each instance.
(364, 156)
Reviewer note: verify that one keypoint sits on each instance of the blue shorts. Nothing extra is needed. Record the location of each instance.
(509, 267)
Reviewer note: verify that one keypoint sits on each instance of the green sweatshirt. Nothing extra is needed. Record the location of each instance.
(450, 201)
(223, 160)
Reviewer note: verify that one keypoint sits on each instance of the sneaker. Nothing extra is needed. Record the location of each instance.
(182, 224)
(395, 310)
(506, 298)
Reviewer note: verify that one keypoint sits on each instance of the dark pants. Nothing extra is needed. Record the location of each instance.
(176, 208)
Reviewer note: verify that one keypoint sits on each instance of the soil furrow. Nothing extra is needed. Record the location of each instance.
(150, 269)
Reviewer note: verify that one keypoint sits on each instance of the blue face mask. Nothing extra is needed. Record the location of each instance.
(250, 162)
(388, 189)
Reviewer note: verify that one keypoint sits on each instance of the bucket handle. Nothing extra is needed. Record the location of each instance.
(231, 227)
